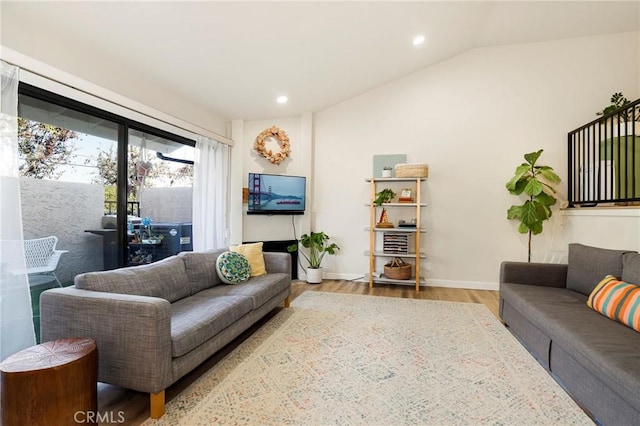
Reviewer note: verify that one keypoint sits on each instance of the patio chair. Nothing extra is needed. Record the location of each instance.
(42, 257)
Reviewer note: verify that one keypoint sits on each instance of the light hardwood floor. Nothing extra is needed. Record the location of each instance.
(118, 403)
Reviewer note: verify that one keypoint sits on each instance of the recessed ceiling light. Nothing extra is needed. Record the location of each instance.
(418, 40)
(282, 99)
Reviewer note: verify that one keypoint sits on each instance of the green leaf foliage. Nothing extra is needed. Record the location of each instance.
(536, 183)
(532, 157)
(384, 196)
(533, 187)
(548, 174)
(514, 212)
(546, 199)
(516, 187)
(617, 101)
(317, 246)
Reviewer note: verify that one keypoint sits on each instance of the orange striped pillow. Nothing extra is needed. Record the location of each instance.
(617, 300)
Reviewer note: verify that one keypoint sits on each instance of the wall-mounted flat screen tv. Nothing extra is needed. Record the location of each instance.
(276, 194)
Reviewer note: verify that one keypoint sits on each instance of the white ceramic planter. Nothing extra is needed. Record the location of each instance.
(386, 173)
(314, 276)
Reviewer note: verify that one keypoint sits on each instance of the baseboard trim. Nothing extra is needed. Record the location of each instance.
(470, 285)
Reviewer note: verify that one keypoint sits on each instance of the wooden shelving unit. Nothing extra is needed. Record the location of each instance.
(375, 253)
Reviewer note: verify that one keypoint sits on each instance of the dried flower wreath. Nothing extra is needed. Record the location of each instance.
(283, 141)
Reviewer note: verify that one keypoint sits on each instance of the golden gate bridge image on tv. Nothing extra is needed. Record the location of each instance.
(276, 193)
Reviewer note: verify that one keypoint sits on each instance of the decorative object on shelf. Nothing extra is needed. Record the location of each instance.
(282, 139)
(535, 182)
(412, 170)
(384, 221)
(404, 224)
(380, 162)
(384, 196)
(318, 246)
(396, 243)
(386, 171)
(406, 196)
(397, 269)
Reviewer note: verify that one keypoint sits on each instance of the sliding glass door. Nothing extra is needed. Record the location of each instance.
(160, 191)
(113, 191)
(62, 168)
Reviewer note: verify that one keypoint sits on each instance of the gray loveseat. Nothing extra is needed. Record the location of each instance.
(155, 323)
(596, 359)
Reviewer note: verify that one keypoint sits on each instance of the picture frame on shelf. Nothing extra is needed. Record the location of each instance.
(406, 195)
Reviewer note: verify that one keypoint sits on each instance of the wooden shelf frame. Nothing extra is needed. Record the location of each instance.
(374, 254)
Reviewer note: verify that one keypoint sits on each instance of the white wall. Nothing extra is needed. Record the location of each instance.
(614, 228)
(470, 118)
(299, 163)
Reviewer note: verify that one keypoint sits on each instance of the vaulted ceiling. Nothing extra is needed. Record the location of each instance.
(235, 58)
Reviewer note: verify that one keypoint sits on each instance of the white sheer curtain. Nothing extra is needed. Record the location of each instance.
(16, 317)
(210, 194)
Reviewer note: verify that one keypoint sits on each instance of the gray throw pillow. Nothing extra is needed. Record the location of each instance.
(589, 265)
(631, 268)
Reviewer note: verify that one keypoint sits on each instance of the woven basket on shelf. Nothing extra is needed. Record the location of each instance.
(404, 170)
(397, 269)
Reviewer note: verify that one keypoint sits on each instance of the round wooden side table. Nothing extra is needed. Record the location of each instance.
(54, 383)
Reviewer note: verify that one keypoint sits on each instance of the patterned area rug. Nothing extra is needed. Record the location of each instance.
(341, 359)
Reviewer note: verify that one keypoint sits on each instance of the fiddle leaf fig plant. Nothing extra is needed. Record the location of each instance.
(535, 182)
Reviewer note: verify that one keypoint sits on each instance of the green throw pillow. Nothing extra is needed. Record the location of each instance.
(233, 268)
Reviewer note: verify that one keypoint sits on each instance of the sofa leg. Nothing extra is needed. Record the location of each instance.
(157, 404)
(287, 301)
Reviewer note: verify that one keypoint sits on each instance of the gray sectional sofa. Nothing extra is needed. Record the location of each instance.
(596, 359)
(155, 323)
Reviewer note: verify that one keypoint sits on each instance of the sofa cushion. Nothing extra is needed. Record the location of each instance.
(201, 268)
(253, 253)
(166, 278)
(198, 318)
(258, 289)
(233, 268)
(588, 265)
(631, 268)
(617, 300)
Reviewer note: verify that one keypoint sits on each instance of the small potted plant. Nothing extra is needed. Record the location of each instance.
(618, 100)
(386, 171)
(317, 244)
(384, 196)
